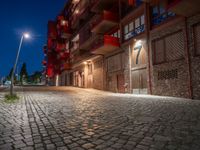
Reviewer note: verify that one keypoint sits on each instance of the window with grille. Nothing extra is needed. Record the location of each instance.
(169, 48)
(168, 74)
(160, 13)
(197, 38)
(134, 27)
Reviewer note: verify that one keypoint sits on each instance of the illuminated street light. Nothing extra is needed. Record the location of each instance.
(24, 35)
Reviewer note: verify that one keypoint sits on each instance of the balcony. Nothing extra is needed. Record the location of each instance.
(86, 37)
(51, 44)
(64, 55)
(130, 6)
(63, 27)
(44, 62)
(99, 5)
(60, 47)
(52, 30)
(105, 44)
(80, 11)
(50, 71)
(64, 31)
(105, 22)
(65, 66)
(184, 7)
(45, 49)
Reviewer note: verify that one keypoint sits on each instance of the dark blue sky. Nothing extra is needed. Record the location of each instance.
(19, 16)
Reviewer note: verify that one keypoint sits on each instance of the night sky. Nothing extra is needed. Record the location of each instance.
(18, 16)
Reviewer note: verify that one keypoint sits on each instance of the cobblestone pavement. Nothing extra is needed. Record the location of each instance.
(80, 119)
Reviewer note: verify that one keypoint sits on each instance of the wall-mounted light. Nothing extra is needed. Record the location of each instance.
(75, 1)
(138, 43)
(76, 11)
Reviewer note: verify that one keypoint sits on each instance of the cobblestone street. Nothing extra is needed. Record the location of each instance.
(80, 119)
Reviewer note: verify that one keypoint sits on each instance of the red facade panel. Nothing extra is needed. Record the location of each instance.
(52, 30)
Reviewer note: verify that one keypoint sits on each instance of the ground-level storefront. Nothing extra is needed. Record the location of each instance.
(166, 63)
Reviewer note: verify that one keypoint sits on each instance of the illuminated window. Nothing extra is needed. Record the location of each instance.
(160, 14)
(134, 27)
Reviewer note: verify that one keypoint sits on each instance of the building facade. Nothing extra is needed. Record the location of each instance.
(127, 46)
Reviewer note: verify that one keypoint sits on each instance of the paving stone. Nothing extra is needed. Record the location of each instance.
(87, 145)
(74, 118)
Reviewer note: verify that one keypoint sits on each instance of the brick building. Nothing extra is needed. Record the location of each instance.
(127, 46)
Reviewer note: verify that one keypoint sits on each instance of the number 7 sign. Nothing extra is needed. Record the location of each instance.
(138, 48)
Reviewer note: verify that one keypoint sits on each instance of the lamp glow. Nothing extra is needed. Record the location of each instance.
(26, 35)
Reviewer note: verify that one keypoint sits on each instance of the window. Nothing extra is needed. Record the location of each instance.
(137, 22)
(197, 39)
(126, 29)
(131, 26)
(169, 48)
(142, 20)
(160, 13)
(134, 27)
(116, 34)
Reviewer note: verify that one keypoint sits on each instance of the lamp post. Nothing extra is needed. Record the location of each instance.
(25, 35)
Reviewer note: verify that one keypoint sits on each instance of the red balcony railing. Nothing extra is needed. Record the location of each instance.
(105, 44)
(64, 55)
(52, 30)
(60, 47)
(50, 71)
(63, 27)
(51, 44)
(106, 21)
(65, 66)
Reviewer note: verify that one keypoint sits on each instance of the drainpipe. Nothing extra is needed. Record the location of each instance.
(148, 21)
(130, 76)
(188, 60)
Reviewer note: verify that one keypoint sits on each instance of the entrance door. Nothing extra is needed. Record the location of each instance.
(120, 83)
(139, 81)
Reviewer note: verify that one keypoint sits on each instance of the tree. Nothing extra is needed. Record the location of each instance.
(35, 77)
(23, 74)
(10, 74)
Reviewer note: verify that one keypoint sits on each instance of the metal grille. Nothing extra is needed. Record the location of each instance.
(197, 38)
(168, 74)
(159, 51)
(174, 46)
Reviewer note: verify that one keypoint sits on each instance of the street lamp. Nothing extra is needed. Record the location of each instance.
(24, 35)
